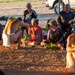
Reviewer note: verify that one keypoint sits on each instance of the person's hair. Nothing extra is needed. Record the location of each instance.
(37, 21)
(19, 18)
(2, 73)
(29, 4)
(14, 18)
(53, 22)
(67, 5)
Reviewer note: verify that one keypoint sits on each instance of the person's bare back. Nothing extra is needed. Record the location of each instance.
(11, 26)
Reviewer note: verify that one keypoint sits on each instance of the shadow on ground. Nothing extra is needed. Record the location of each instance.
(35, 73)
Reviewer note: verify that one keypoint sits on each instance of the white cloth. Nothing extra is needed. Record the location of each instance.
(6, 40)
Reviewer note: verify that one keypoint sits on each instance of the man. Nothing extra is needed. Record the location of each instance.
(70, 48)
(28, 15)
(65, 19)
(11, 32)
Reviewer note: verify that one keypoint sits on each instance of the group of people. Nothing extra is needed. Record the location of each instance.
(59, 32)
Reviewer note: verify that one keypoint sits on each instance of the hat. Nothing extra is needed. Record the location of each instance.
(53, 22)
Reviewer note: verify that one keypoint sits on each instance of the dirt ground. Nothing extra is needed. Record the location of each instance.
(31, 60)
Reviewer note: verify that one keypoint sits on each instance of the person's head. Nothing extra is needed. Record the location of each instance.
(29, 6)
(19, 18)
(53, 24)
(33, 22)
(67, 8)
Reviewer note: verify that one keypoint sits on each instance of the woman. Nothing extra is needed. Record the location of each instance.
(35, 33)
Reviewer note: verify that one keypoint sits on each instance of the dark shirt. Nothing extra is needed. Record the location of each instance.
(64, 18)
(29, 15)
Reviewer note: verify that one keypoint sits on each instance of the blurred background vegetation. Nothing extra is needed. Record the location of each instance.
(8, 1)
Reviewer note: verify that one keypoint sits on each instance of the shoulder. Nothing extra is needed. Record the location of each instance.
(72, 13)
(25, 11)
(39, 27)
(71, 36)
(33, 11)
(50, 30)
(61, 13)
(10, 21)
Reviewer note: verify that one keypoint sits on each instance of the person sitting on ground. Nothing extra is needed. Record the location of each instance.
(55, 34)
(35, 33)
(70, 55)
(65, 19)
(10, 32)
(28, 14)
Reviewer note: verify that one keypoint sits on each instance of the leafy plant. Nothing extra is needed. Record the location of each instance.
(46, 29)
(51, 46)
(13, 18)
(25, 36)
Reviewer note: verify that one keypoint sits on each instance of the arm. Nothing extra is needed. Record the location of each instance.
(71, 21)
(68, 46)
(24, 16)
(39, 31)
(31, 30)
(49, 32)
(59, 19)
(60, 40)
(22, 24)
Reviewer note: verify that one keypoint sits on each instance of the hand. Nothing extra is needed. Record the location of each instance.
(70, 22)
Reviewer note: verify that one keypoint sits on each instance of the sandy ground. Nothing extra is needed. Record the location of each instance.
(31, 60)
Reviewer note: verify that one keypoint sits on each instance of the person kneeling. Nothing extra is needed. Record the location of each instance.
(10, 32)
